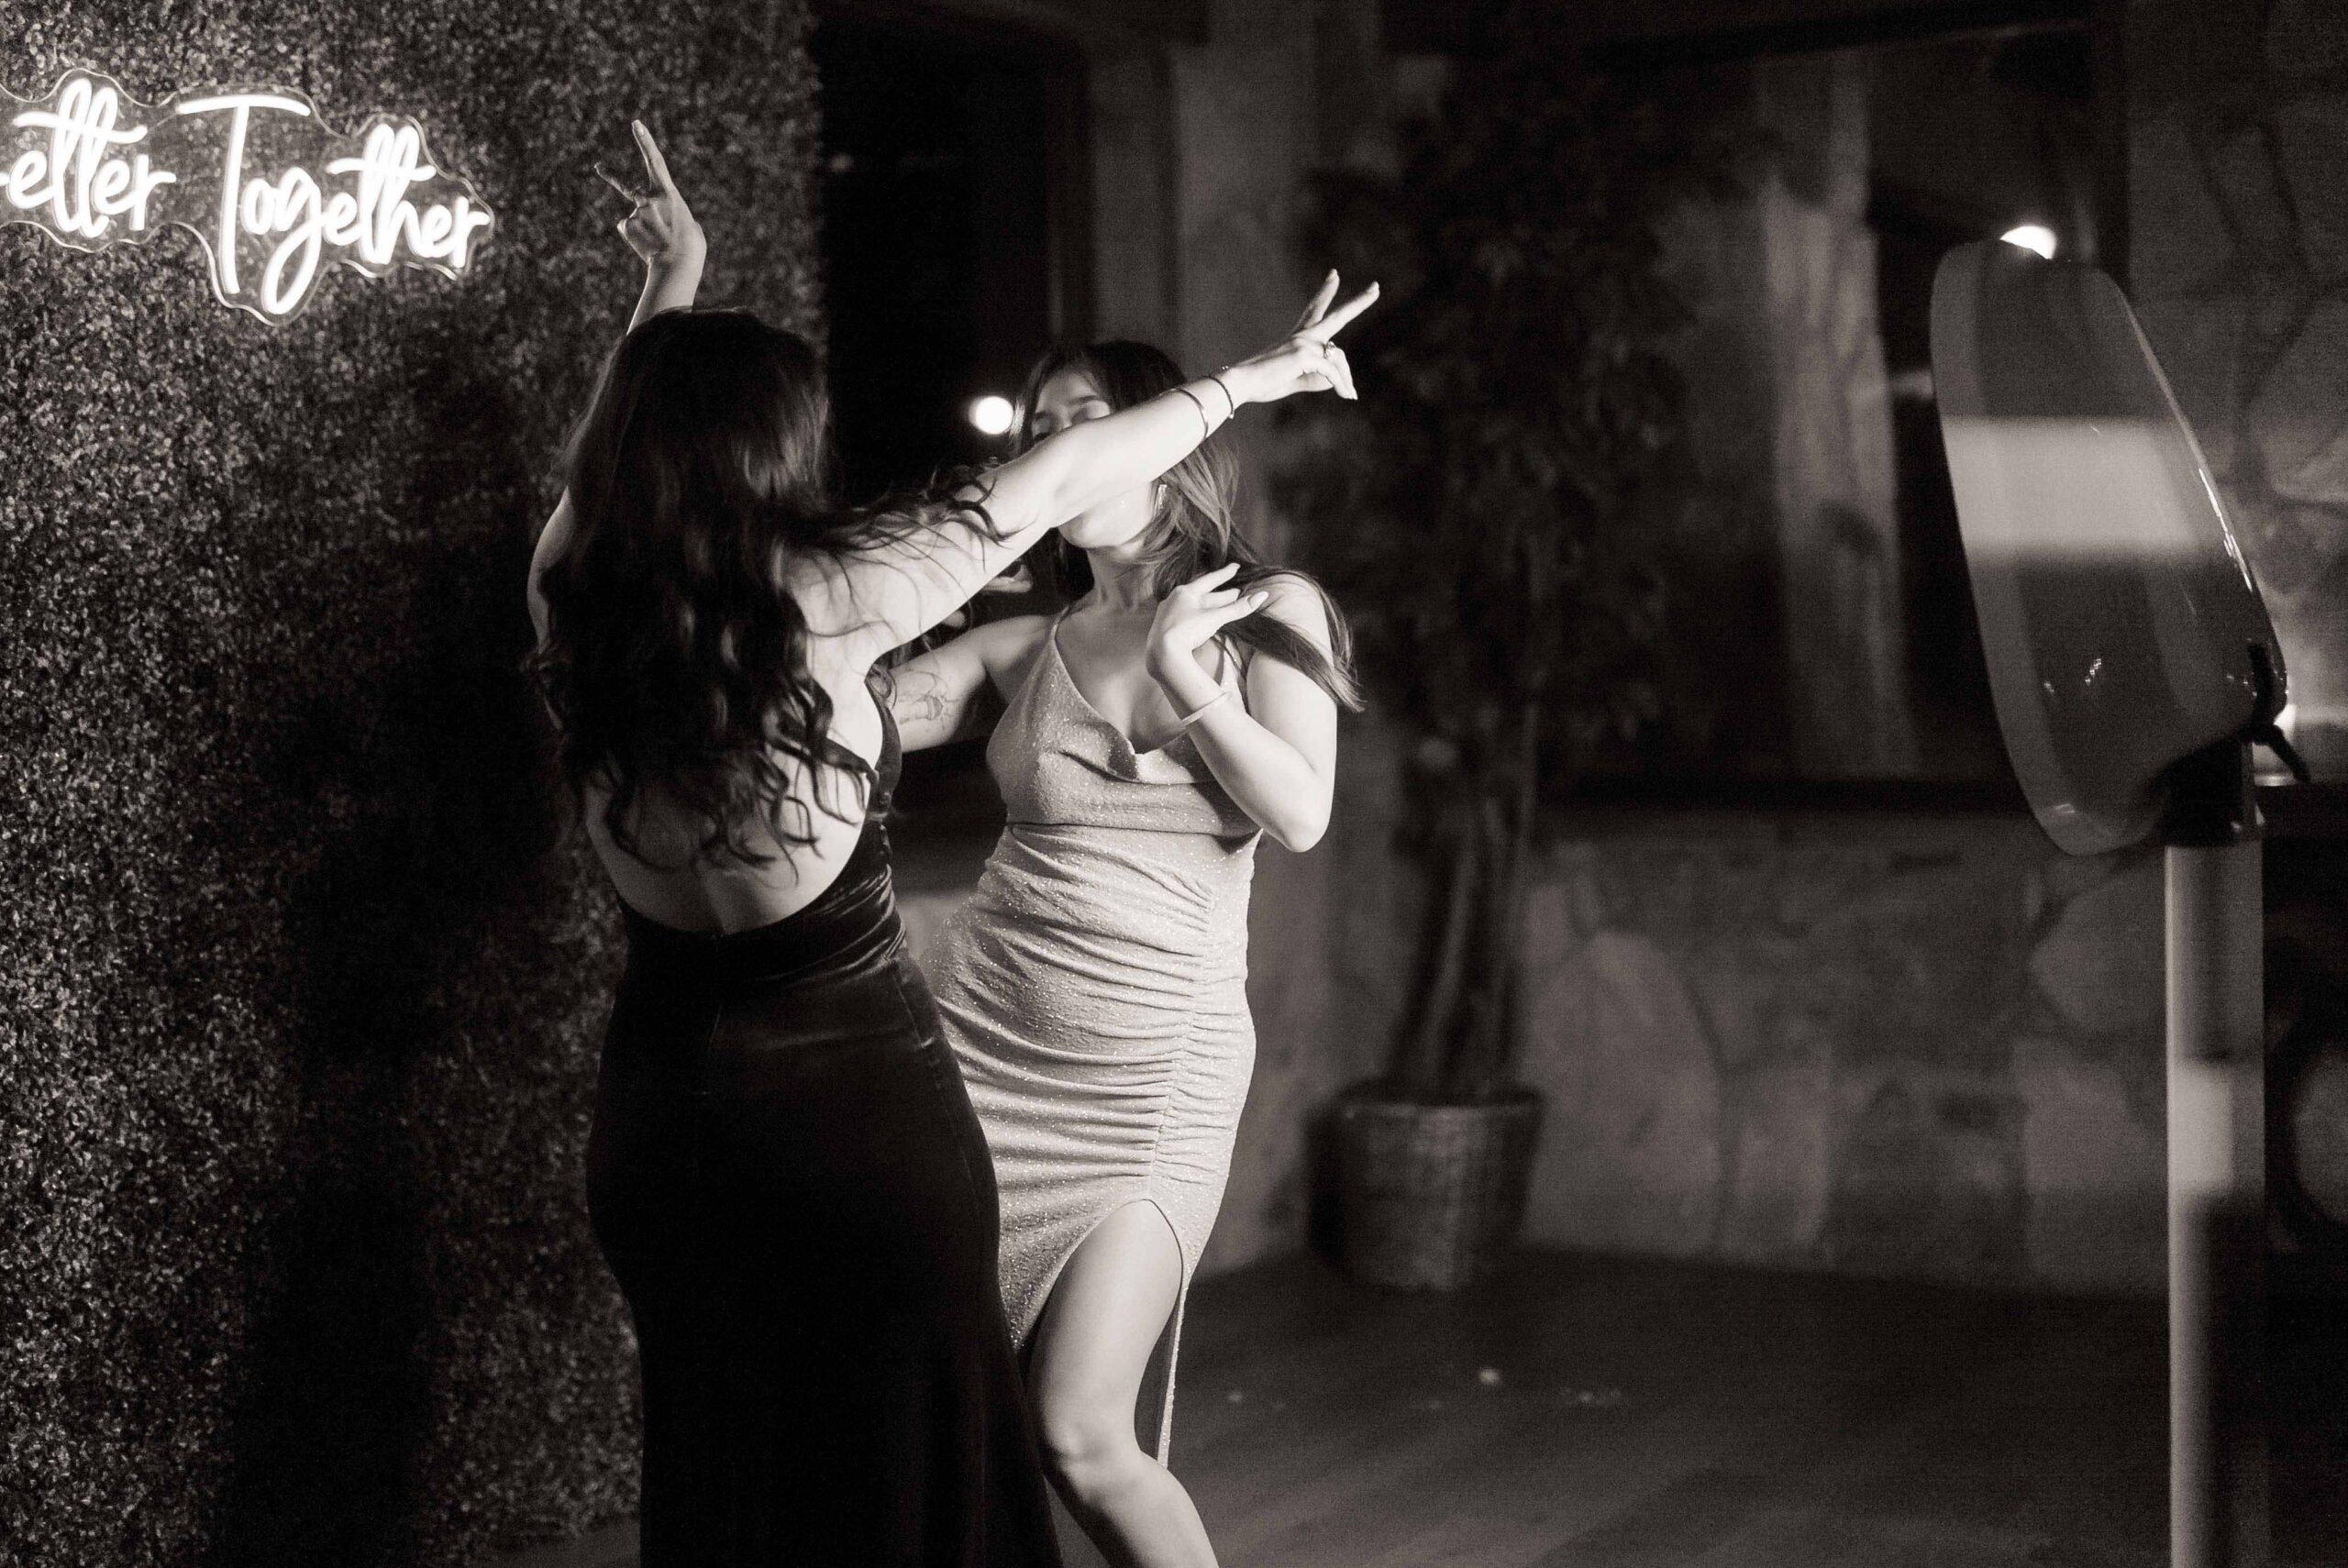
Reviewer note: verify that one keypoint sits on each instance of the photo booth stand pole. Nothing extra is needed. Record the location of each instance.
(2217, 1312)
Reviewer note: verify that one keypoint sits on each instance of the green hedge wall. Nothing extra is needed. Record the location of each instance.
(301, 985)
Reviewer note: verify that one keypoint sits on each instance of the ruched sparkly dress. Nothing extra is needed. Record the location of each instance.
(786, 1176)
(1094, 987)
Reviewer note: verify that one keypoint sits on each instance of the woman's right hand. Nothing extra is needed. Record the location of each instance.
(1305, 360)
(1187, 617)
(661, 229)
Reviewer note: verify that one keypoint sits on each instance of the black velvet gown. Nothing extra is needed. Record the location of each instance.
(786, 1177)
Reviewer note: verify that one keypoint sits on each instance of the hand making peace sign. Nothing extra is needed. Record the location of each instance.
(661, 229)
(1305, 360)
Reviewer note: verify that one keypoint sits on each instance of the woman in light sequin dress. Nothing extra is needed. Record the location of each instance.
(1094, 984)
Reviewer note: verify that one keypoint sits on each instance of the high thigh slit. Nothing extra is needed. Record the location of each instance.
(787, 1179)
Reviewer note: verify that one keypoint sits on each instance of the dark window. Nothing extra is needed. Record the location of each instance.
(939, 253)
(954, 251)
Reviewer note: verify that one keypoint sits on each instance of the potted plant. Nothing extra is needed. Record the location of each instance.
(1492, 515)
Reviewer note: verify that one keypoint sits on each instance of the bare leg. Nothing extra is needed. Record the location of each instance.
(1091, 1348)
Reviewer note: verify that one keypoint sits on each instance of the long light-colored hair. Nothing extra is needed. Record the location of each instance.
(1191, 531)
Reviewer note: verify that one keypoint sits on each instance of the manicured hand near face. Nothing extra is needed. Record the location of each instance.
(1195, 612)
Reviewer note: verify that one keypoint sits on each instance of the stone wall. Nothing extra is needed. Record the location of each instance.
(1922, 1046)
(2238, 132)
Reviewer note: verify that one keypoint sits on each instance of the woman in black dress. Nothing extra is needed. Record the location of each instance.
(784, 1172)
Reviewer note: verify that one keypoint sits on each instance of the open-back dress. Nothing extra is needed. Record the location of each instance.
(786, 1177)
(1094, 989)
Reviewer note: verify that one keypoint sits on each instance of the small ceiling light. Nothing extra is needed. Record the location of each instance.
(991, 415)
(2032, 237)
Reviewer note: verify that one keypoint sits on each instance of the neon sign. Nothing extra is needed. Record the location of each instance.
(275, 196)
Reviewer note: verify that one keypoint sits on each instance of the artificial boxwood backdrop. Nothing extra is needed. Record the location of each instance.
(300, 981)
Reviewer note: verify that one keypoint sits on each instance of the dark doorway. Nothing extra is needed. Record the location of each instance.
(955, 250)
(944, 249)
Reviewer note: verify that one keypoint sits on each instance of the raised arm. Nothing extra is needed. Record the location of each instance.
(662, 231)
(892, 594)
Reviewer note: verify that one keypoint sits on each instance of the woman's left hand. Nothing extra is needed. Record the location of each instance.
(1305, 360)
(662, 229)
(1192, 614)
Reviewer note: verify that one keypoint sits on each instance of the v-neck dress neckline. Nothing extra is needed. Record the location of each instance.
(1125, 743)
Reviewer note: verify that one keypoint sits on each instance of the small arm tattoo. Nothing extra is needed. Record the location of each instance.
(920, 698)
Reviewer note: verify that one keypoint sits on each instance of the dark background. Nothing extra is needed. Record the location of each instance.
(954, 251)
(936, 238)
(300, 984)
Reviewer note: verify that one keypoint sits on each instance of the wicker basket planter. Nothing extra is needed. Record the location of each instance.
(1430, 1197)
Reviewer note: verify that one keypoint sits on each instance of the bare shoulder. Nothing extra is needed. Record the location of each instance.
(826, 594)
(1297, 602)
(1011, 639)
(1006, 646)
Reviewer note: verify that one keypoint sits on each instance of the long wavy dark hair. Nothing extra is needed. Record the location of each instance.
(1192, 531)
(675, 659)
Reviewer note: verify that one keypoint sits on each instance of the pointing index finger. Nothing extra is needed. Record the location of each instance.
(656, 165)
